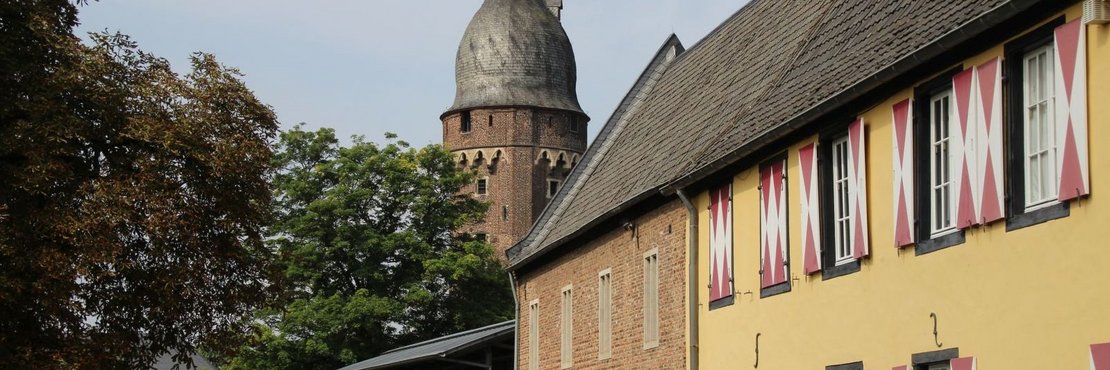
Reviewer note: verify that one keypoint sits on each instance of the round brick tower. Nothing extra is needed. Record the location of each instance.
(516, 119)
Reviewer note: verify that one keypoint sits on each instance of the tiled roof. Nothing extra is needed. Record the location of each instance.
(769, 64)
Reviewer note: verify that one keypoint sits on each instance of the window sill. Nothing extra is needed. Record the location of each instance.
(941, 242)
(722, 302)
(774, 290)
(840, 270)
(1037, 216)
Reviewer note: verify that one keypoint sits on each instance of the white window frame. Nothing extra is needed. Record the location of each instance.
(566, 328)
(942, 203)
(1040, 145)
(534, 334)
(841, 206)
(651, 298)
(605, 314)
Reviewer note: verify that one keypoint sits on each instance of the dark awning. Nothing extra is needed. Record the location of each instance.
(445, 348)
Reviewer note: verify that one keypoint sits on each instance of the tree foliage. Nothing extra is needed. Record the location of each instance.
(132, 199)
(366, 235)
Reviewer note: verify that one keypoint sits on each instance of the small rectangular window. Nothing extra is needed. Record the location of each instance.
(534, 335)
(552, 188)
(566, 328)
(651, 299)
(604, 314)
(464, 122)
(504, 213)
(573, 125)
(482, 237)
(940, 164)
(482, 187)
(491, 120)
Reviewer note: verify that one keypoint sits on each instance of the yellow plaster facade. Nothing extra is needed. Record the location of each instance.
(1032, 298)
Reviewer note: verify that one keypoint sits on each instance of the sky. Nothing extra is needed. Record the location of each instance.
(367, 67)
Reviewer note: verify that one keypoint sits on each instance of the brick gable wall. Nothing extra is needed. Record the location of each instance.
(622, 251)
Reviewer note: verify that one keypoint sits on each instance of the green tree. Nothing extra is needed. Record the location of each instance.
(132, 199)
(367, 237)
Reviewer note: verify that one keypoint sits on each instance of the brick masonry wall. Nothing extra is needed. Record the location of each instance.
(622, 251)
(518, 179)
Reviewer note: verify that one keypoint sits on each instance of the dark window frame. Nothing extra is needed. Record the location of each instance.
(1014, 97)
(553, 186)
(784, 286)
(922, 361)
(922, 99)
(825, 194)
(858, 365)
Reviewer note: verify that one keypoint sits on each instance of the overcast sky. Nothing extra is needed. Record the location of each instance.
(366, 67)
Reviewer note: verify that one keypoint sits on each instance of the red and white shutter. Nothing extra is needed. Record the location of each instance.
(1100, 356)
(720, 243)
(772, 211)
(811, 234)
(1071, 110)
(857, 189)
(903, 367)
(903, 173)
(989, 134)
(962, 144)
(963, 363)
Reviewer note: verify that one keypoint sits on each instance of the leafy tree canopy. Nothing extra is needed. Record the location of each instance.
(366, 236)
(132, 199)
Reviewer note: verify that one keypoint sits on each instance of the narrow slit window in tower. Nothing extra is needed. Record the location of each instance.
(464, 123)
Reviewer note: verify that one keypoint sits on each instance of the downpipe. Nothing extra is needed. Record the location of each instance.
(692, 275)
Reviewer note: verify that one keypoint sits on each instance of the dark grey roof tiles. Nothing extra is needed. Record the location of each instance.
(515, 53)
(697, 95)
(857, 39)
(766, 65)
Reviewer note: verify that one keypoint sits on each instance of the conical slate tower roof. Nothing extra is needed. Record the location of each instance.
(515, 53)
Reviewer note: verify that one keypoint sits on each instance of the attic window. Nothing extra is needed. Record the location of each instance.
(464, 123)
(573, 125)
